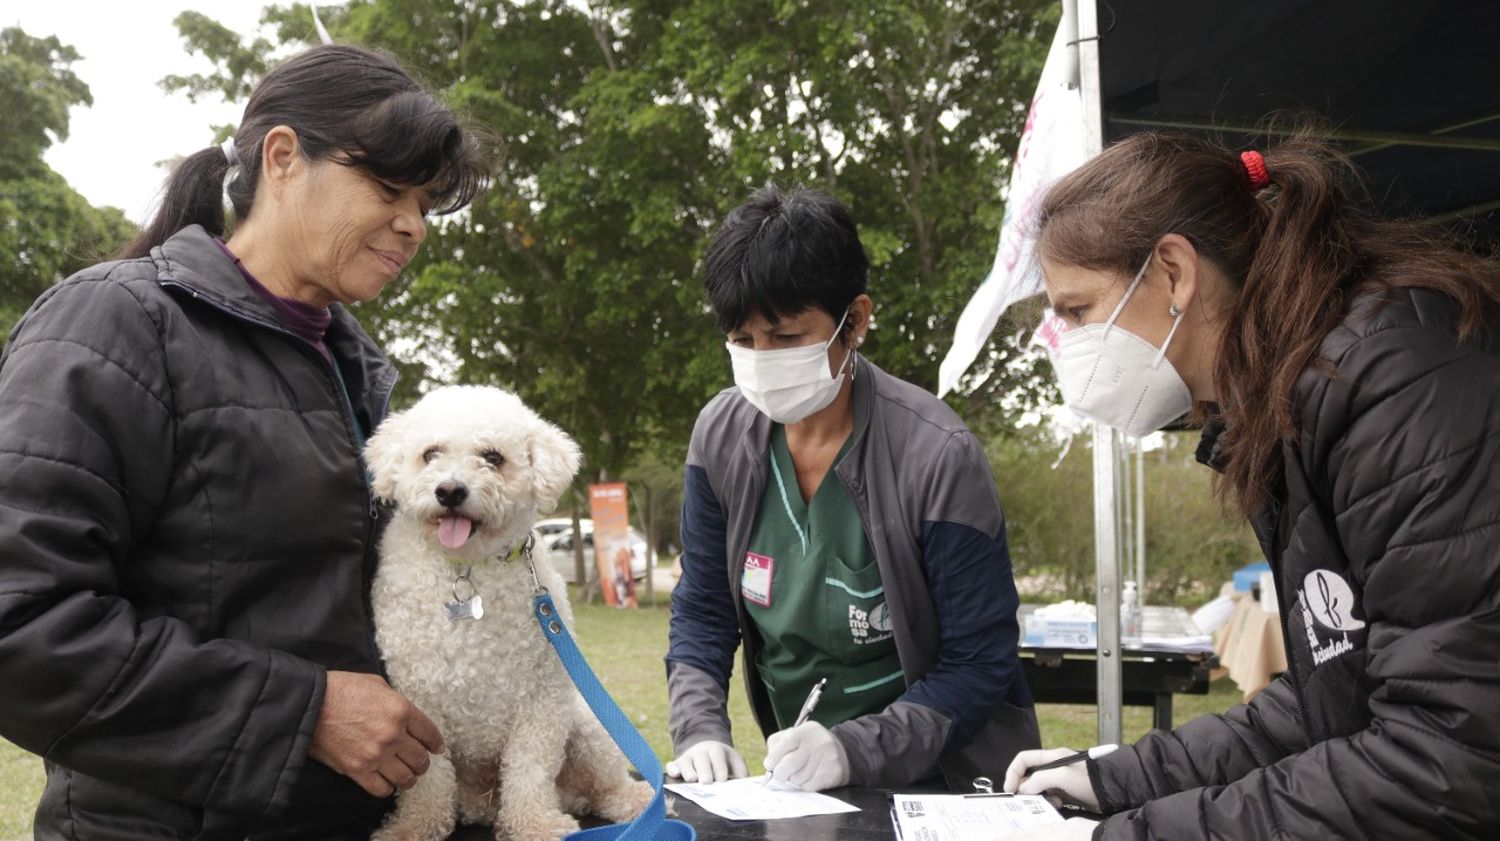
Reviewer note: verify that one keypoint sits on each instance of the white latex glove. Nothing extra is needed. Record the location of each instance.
(808, 757)
(708, 762)
(1068, 784)
(1072, 829)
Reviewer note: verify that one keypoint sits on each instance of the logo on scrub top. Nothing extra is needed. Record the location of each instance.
(862, 623)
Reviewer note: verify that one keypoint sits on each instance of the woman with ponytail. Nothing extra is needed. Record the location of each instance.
(186, 534)
(1347, 369)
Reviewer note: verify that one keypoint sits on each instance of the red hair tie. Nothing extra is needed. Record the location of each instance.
(1255, 167)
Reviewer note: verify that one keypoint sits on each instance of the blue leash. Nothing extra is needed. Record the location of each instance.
(652, 824)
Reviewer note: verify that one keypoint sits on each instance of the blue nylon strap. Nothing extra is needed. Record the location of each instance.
(652, 824)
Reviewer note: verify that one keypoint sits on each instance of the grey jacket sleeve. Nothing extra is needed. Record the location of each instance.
(697, 708)
(894, 746)
(88, 678)
(703, 631)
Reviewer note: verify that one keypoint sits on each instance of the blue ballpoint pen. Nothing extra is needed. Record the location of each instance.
(803, 715)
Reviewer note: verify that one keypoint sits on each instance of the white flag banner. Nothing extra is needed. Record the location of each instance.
(1051, 147)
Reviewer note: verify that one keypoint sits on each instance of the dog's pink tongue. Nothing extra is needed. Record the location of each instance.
(453, 531)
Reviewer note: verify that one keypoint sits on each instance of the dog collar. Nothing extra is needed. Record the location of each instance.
(519, 551)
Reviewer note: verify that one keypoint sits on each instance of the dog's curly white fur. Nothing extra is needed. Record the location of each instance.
(469, 469)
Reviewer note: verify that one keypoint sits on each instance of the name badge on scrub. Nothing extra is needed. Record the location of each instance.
(755, 581)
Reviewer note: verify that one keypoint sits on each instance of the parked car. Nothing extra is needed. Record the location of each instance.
(554, 545)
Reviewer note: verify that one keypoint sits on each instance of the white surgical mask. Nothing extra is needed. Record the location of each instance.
(789, 384)
(1110, 375)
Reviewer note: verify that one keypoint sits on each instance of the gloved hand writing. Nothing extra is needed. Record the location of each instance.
(808, 757)
(708, 762)
(1069, 784)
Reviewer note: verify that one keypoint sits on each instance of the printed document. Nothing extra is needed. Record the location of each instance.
(745, 800)
(967, 817)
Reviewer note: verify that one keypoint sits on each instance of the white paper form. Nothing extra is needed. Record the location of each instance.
(958, 817)
(745, 800)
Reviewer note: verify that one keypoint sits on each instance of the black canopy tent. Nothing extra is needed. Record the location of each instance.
(1410, 88)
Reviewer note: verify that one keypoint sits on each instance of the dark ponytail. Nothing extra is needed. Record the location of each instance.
(351, 104)
(1297, 252)
(194, 195)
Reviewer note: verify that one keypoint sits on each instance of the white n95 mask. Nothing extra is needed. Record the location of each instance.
(789, 384)
(1110, 375)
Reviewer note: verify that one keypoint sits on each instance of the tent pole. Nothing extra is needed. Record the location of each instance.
(1140, 520)
(1084, 15)
(1107, 580)
(1126, 506)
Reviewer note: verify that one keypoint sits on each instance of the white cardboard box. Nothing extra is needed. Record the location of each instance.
(1044, 632)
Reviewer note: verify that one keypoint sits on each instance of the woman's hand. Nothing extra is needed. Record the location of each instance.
(708, 762)
(1069, 784)
(371, 734)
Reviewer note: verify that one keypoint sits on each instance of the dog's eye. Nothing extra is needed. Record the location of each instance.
(429, 454)
(493, 458)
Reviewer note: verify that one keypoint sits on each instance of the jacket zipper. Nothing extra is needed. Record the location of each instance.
(351, 429)
(1286, 638)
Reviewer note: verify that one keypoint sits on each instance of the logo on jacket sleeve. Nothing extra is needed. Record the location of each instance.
(1328, 602)
(1332, 602)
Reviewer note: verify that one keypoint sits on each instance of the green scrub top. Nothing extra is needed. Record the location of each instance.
(813, 590)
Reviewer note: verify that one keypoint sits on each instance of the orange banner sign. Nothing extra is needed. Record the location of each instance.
(610, 510)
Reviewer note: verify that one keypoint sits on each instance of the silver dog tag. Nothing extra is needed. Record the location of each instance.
(470, 608)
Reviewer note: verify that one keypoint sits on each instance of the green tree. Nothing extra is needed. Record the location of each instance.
(621, 132)
(1192, 545)
(47, 230)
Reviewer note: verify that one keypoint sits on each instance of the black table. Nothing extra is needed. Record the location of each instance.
(1149, 678)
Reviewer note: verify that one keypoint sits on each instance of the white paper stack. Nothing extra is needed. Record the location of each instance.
(967, 817)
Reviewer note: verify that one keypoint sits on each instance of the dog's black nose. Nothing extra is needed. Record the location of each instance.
(451, 494)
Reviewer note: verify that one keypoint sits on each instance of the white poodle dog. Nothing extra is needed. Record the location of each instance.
(469, 468)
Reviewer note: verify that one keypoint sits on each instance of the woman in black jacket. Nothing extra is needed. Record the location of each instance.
(1349, 371)
(186, 535)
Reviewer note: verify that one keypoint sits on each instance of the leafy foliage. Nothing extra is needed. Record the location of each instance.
(622, 131)
(47, 230)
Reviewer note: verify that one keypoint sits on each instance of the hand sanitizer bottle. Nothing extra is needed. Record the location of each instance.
(1130, 615)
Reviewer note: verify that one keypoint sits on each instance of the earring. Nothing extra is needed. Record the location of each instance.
(1174, 311)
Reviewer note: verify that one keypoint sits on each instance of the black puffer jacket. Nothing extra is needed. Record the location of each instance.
(186, 544)
(1386, 548)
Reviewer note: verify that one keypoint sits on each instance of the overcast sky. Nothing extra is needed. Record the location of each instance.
(113, 147)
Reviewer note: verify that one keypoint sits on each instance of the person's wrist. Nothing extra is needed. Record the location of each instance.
(856, 771)
(701, 733)
(705, 744)
(1096, 782)
(844, 776)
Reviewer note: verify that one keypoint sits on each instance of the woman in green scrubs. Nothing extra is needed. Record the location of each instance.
(839, 524)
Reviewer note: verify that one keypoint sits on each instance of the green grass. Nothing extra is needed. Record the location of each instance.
(625, 648)
(1076, 725)
(20, 789)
